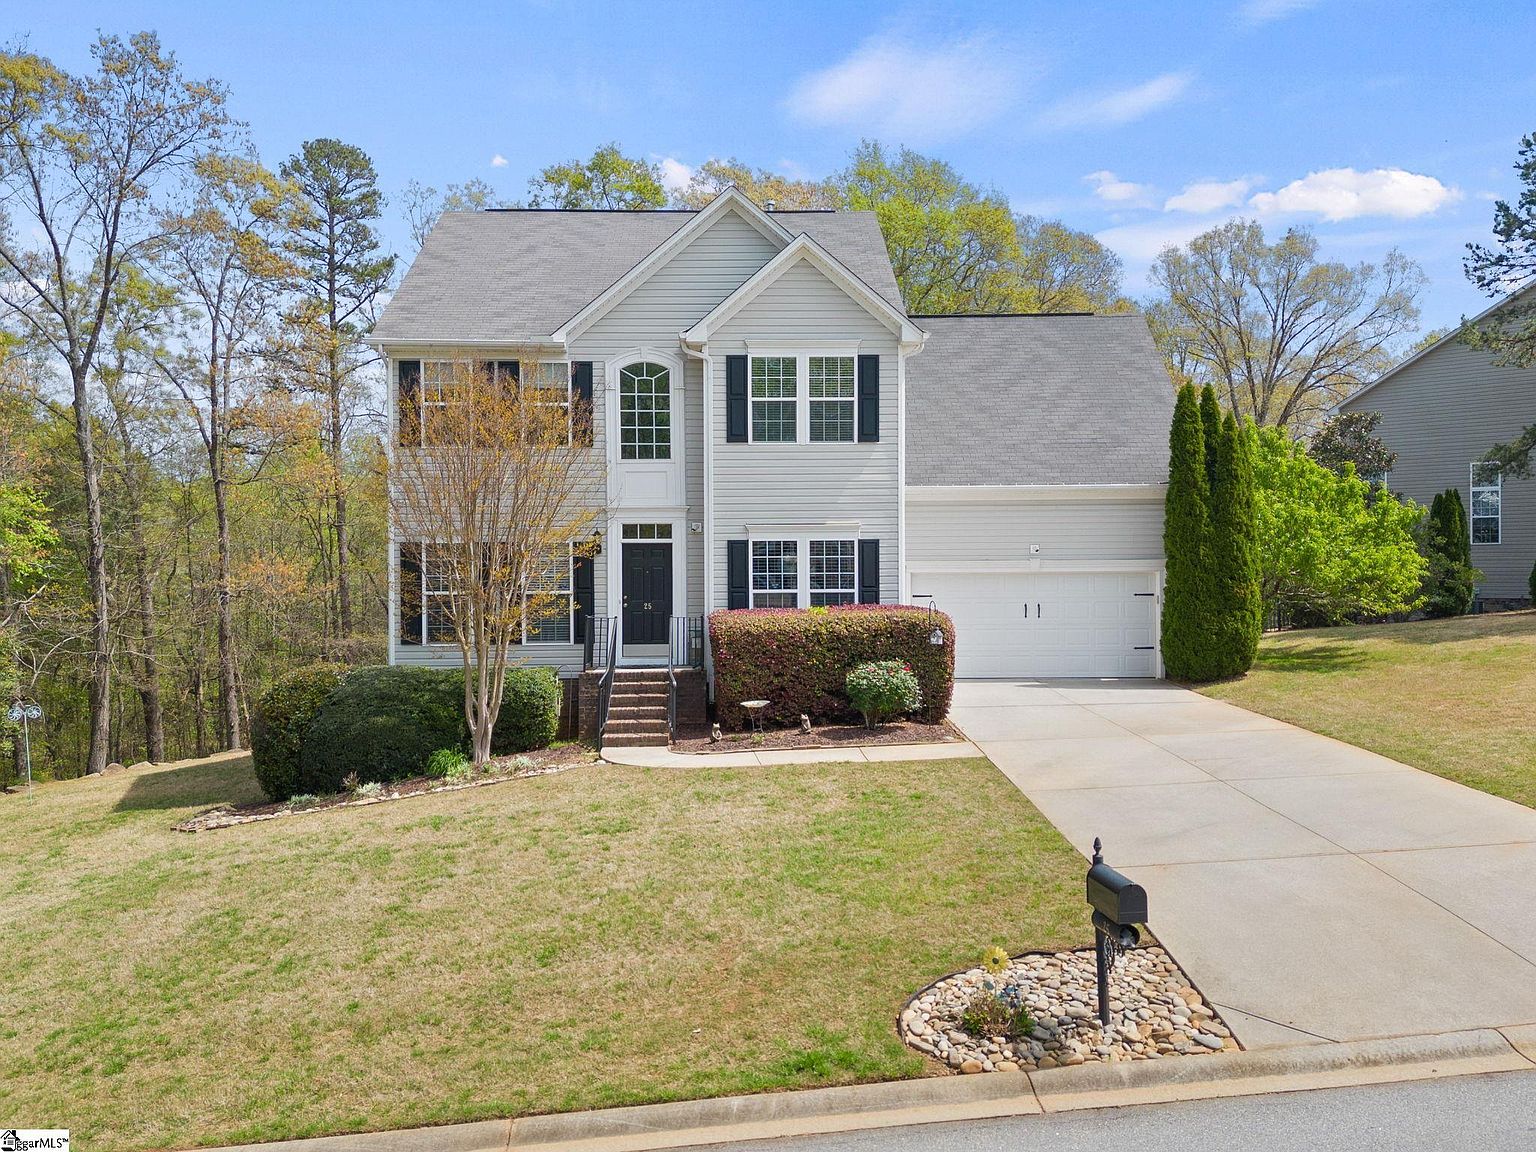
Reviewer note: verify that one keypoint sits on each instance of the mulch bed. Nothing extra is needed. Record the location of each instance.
(544, 762)
(827, 736)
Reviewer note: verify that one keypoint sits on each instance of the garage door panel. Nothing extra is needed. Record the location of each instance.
(1067, 624)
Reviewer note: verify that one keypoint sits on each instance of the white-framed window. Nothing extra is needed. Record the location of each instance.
(645, 412)
(1487, 511)
(775, 388)
(775, 573)
(834, 572)
(436, 593)
(551, 381)
(552, 625)
(831, 380)
(554, 581)
(440, 379)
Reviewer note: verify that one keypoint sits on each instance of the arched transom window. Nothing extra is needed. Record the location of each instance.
(645, 412)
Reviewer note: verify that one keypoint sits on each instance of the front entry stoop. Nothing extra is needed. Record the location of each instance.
(637, 709)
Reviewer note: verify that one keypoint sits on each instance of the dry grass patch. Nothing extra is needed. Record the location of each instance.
(604, 936)
(1453, 697)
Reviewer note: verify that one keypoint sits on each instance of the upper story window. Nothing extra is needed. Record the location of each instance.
(775, 573)
(552, 387)
(645, 412)
(1487, 503)
(774, 399)
(832, 398)
(445, 381)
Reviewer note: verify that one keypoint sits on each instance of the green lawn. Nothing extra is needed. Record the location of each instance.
(604, 936)
(1454, 697)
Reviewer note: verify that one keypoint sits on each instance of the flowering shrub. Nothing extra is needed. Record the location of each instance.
(799, 659)
(883, 689)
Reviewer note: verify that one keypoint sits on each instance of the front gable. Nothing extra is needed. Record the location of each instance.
(728, 213)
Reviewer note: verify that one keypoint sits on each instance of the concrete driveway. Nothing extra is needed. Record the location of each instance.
(1315, 891)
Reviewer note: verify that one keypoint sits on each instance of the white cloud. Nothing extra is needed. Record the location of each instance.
(1209, 196)
(893, 87)
(1344, 194)
(674, 174)
(1268, 11)
(1109, 187)
(1140, 243)
(498, 161)
(1118, 106)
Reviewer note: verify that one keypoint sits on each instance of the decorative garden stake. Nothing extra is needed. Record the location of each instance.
(1118, 906)
(23, 712)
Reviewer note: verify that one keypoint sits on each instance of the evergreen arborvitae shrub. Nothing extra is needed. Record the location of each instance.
(1450, 581)
(1186, 545)
(1238, 616)
(382, 723)
(1210, 424)
(283, 715)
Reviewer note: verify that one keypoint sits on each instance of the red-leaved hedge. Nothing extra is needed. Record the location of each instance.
(798, 659)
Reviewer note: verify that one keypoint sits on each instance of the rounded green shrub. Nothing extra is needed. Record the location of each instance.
(530, 709)
(283, 715)
(382, 723)
(883, 689)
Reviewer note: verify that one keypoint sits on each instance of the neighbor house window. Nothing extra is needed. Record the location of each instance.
(775, 573)
(436, 593)
(645, 412)
(773, 399)
(832, 397)
(1487, 503)
(834, 572)
(549, 620)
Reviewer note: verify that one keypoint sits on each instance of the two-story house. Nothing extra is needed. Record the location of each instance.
(774, 430)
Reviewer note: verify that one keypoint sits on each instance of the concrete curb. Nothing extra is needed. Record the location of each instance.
(941, 1099)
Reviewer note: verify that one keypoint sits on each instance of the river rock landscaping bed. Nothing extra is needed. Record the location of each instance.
(1155, 1013)
(544, 762)
(697, 740)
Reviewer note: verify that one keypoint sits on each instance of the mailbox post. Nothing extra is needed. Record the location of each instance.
(1118, 906)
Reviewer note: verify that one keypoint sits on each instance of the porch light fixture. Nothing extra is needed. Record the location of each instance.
(596, 540)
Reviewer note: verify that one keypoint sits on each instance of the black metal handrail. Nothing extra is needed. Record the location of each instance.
(611, 662)
(685, 649)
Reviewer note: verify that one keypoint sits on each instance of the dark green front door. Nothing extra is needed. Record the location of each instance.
(647, 593)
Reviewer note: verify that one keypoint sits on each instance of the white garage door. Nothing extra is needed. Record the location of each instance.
(1048, 623)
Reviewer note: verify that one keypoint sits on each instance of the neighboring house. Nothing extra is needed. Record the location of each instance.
(1441, 410)
(776, 431)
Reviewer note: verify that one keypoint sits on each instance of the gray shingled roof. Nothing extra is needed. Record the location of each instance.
(1037, 400)
(471, 279)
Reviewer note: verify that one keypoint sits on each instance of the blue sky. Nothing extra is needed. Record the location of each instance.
(1378, 123)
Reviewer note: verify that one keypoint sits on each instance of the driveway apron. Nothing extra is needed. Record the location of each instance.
(1315, 891)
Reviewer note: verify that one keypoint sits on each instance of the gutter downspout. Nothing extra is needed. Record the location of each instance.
(700, 352)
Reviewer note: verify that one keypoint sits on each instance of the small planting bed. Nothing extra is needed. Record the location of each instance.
(820, 736)
(498, 771)
(1155, 1013)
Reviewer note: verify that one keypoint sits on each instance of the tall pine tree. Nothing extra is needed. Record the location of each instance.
(1186, 532)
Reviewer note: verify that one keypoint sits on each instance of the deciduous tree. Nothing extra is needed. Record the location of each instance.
(759, 185)
(609, 179)
(82, 160)
(1060, 269)
(1279, 333)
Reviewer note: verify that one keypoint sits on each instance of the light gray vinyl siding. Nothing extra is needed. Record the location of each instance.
(760, 486)
(1439, 414)
(674, 297)
(1069, 533)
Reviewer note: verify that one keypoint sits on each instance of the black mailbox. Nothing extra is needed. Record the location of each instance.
(1115, 897)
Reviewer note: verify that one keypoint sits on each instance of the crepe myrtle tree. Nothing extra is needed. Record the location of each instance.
(495, 474)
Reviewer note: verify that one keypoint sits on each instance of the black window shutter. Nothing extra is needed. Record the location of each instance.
(736, 401)
(411, 622)
(739, 595)
(869, 398)
(584, 583)
(408, 402)
(869, 571)
(581, 385)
